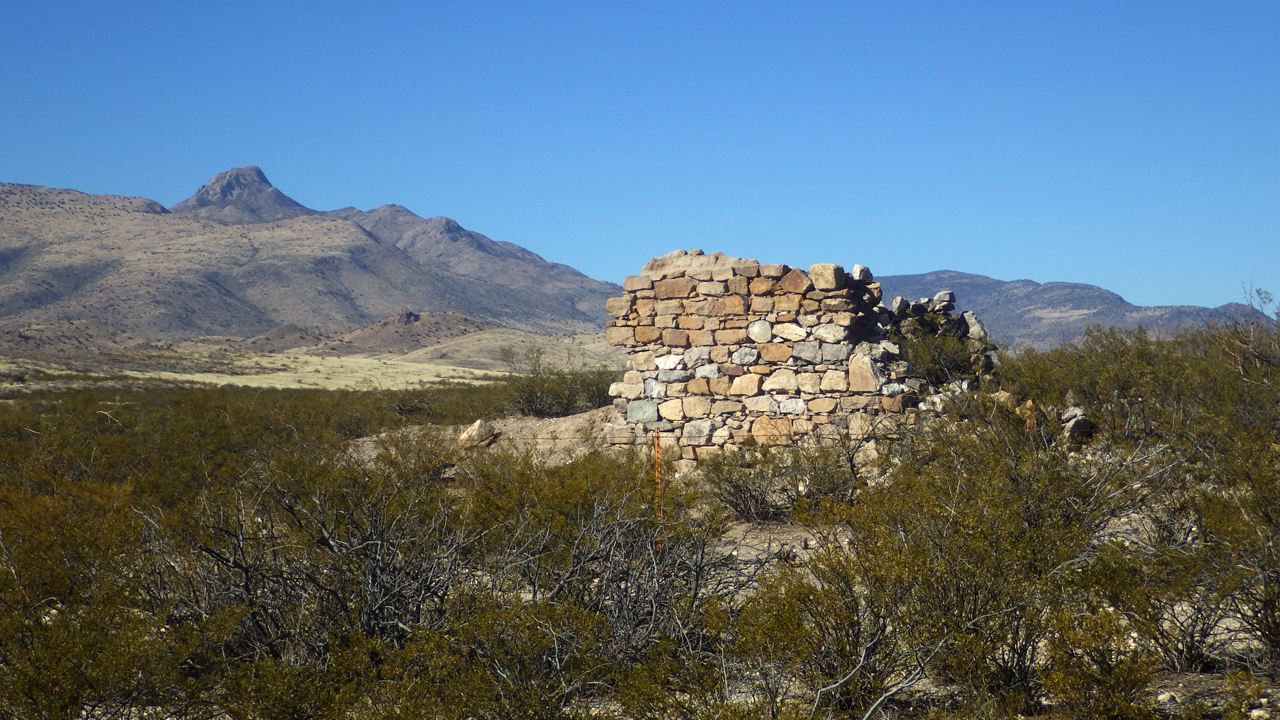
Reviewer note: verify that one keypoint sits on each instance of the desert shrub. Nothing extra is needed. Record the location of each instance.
(976, 526)
(935, 350)
(450, 403)
(538, 389)
(763, 483)
(1094, 670)
(588, 533)
(828, 638)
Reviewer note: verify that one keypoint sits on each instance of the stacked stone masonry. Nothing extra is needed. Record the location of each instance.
(723, 349)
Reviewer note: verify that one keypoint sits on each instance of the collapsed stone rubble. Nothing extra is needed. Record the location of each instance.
(723, 349)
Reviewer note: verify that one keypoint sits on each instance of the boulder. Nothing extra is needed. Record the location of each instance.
(479, 433)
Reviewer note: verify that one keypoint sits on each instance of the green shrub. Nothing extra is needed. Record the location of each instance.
(538, 389)
(762, 483)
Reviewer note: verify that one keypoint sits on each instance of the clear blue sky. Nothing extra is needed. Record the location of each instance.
(1132, 145)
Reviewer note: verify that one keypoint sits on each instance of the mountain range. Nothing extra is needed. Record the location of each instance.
(1041, 315)
(240, 259)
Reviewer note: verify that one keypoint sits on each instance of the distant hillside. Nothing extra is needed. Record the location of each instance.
(442, 243)
(240, 258)
(1041, 315)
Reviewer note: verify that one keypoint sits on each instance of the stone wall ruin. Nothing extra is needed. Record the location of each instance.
(723, 349)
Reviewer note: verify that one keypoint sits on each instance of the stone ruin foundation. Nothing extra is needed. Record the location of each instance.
(723, 349)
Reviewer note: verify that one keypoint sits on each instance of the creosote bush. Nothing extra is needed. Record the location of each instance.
(763, 483)
(534, 387)
(539, 389)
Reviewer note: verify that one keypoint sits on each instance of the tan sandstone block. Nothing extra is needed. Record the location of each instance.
(636, 282)
(689, 322)
(774, 352)
(834, 381)
(864, 374)
(623, 336)
(796, 281)
(859, 402)
(747, 270)
(702, 337)
(674, 288)
(774, 271)
(823, 405)
(643, 361)
(746, 385)
(783, 380)
(672, 337)
(696, 407)
(738, 285)
(619, 306)
(809, 382)
(827, 276)
(786, 303)
(646, 307)
(720, 386)
(709, 452)
(699, 307)
(771, 431)
(647, 335)
(698, 386)
(711, 288)
(726, 407)
(669, 307)
(763, 286)
(761, 304)
(729, 305)
(672, 410)
(730, 337)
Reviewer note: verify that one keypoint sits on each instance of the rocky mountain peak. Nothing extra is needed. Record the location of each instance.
(241, 196)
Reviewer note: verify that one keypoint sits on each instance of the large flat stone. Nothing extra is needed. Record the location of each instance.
(642, 411)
